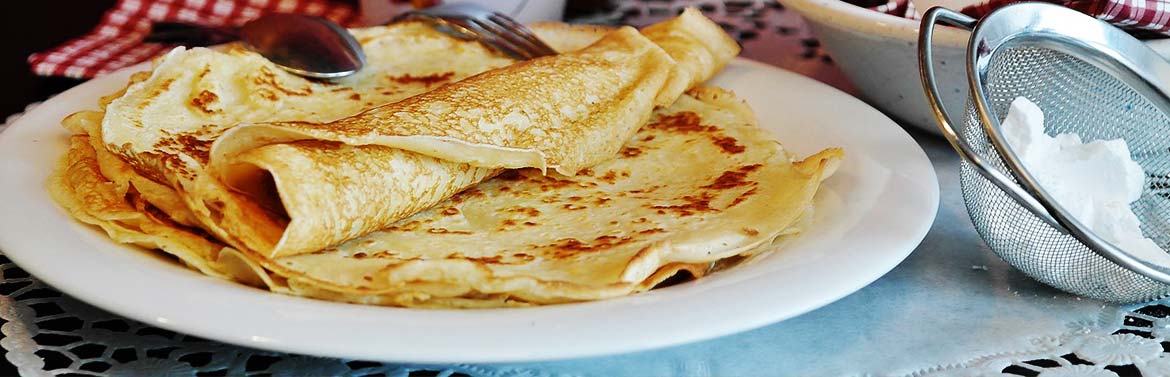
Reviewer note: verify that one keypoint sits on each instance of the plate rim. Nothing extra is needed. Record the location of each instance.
(427, 353)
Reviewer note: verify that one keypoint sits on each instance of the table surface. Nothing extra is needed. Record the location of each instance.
(952, 308)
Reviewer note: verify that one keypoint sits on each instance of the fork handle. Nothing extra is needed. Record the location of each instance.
(191, 34)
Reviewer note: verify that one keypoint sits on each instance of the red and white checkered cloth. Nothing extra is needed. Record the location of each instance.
(117, 40)
(1142, 17)
(1132, 15)
(900, 8)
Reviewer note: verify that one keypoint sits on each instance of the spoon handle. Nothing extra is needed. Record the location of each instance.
(191, 34)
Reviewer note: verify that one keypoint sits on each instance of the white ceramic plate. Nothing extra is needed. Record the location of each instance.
(870, 216)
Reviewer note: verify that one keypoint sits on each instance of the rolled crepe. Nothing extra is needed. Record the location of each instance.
(335, 181)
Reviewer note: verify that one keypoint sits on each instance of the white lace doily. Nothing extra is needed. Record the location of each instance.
(1132, 342)
(46, 333)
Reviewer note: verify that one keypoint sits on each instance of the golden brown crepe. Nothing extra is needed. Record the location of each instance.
(617, 214)
(523, 238)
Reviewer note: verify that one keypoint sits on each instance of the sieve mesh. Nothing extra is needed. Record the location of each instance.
(1075, 97)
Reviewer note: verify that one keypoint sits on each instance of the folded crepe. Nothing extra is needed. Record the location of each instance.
(220, 181)
(623, 226)
(285, 197)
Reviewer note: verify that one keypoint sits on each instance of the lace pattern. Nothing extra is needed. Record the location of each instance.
(47, 333)
(1131, 342)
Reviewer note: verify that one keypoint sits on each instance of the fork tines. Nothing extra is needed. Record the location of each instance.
(494, 29)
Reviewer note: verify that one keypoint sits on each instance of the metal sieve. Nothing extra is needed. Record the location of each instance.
(1089, 78)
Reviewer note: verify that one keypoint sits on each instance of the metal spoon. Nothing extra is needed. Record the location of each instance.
(304, 45)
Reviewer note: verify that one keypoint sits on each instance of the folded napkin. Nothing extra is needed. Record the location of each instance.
(117, 41)
(1144, 18)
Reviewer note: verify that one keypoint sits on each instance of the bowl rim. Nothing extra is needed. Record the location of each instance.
(842, 15)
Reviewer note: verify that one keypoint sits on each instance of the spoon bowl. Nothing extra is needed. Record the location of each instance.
(304, 45)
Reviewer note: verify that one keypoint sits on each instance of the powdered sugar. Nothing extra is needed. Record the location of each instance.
(1094, 181)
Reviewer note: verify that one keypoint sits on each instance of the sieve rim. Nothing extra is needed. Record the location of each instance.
(1083, 37)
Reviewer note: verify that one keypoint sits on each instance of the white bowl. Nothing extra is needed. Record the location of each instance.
(879, 54)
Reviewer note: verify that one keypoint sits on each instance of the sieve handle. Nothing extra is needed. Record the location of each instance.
(959, 142)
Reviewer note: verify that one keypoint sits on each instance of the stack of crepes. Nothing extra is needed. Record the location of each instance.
(443, 174)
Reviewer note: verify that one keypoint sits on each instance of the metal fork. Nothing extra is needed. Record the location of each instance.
(473, 22)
